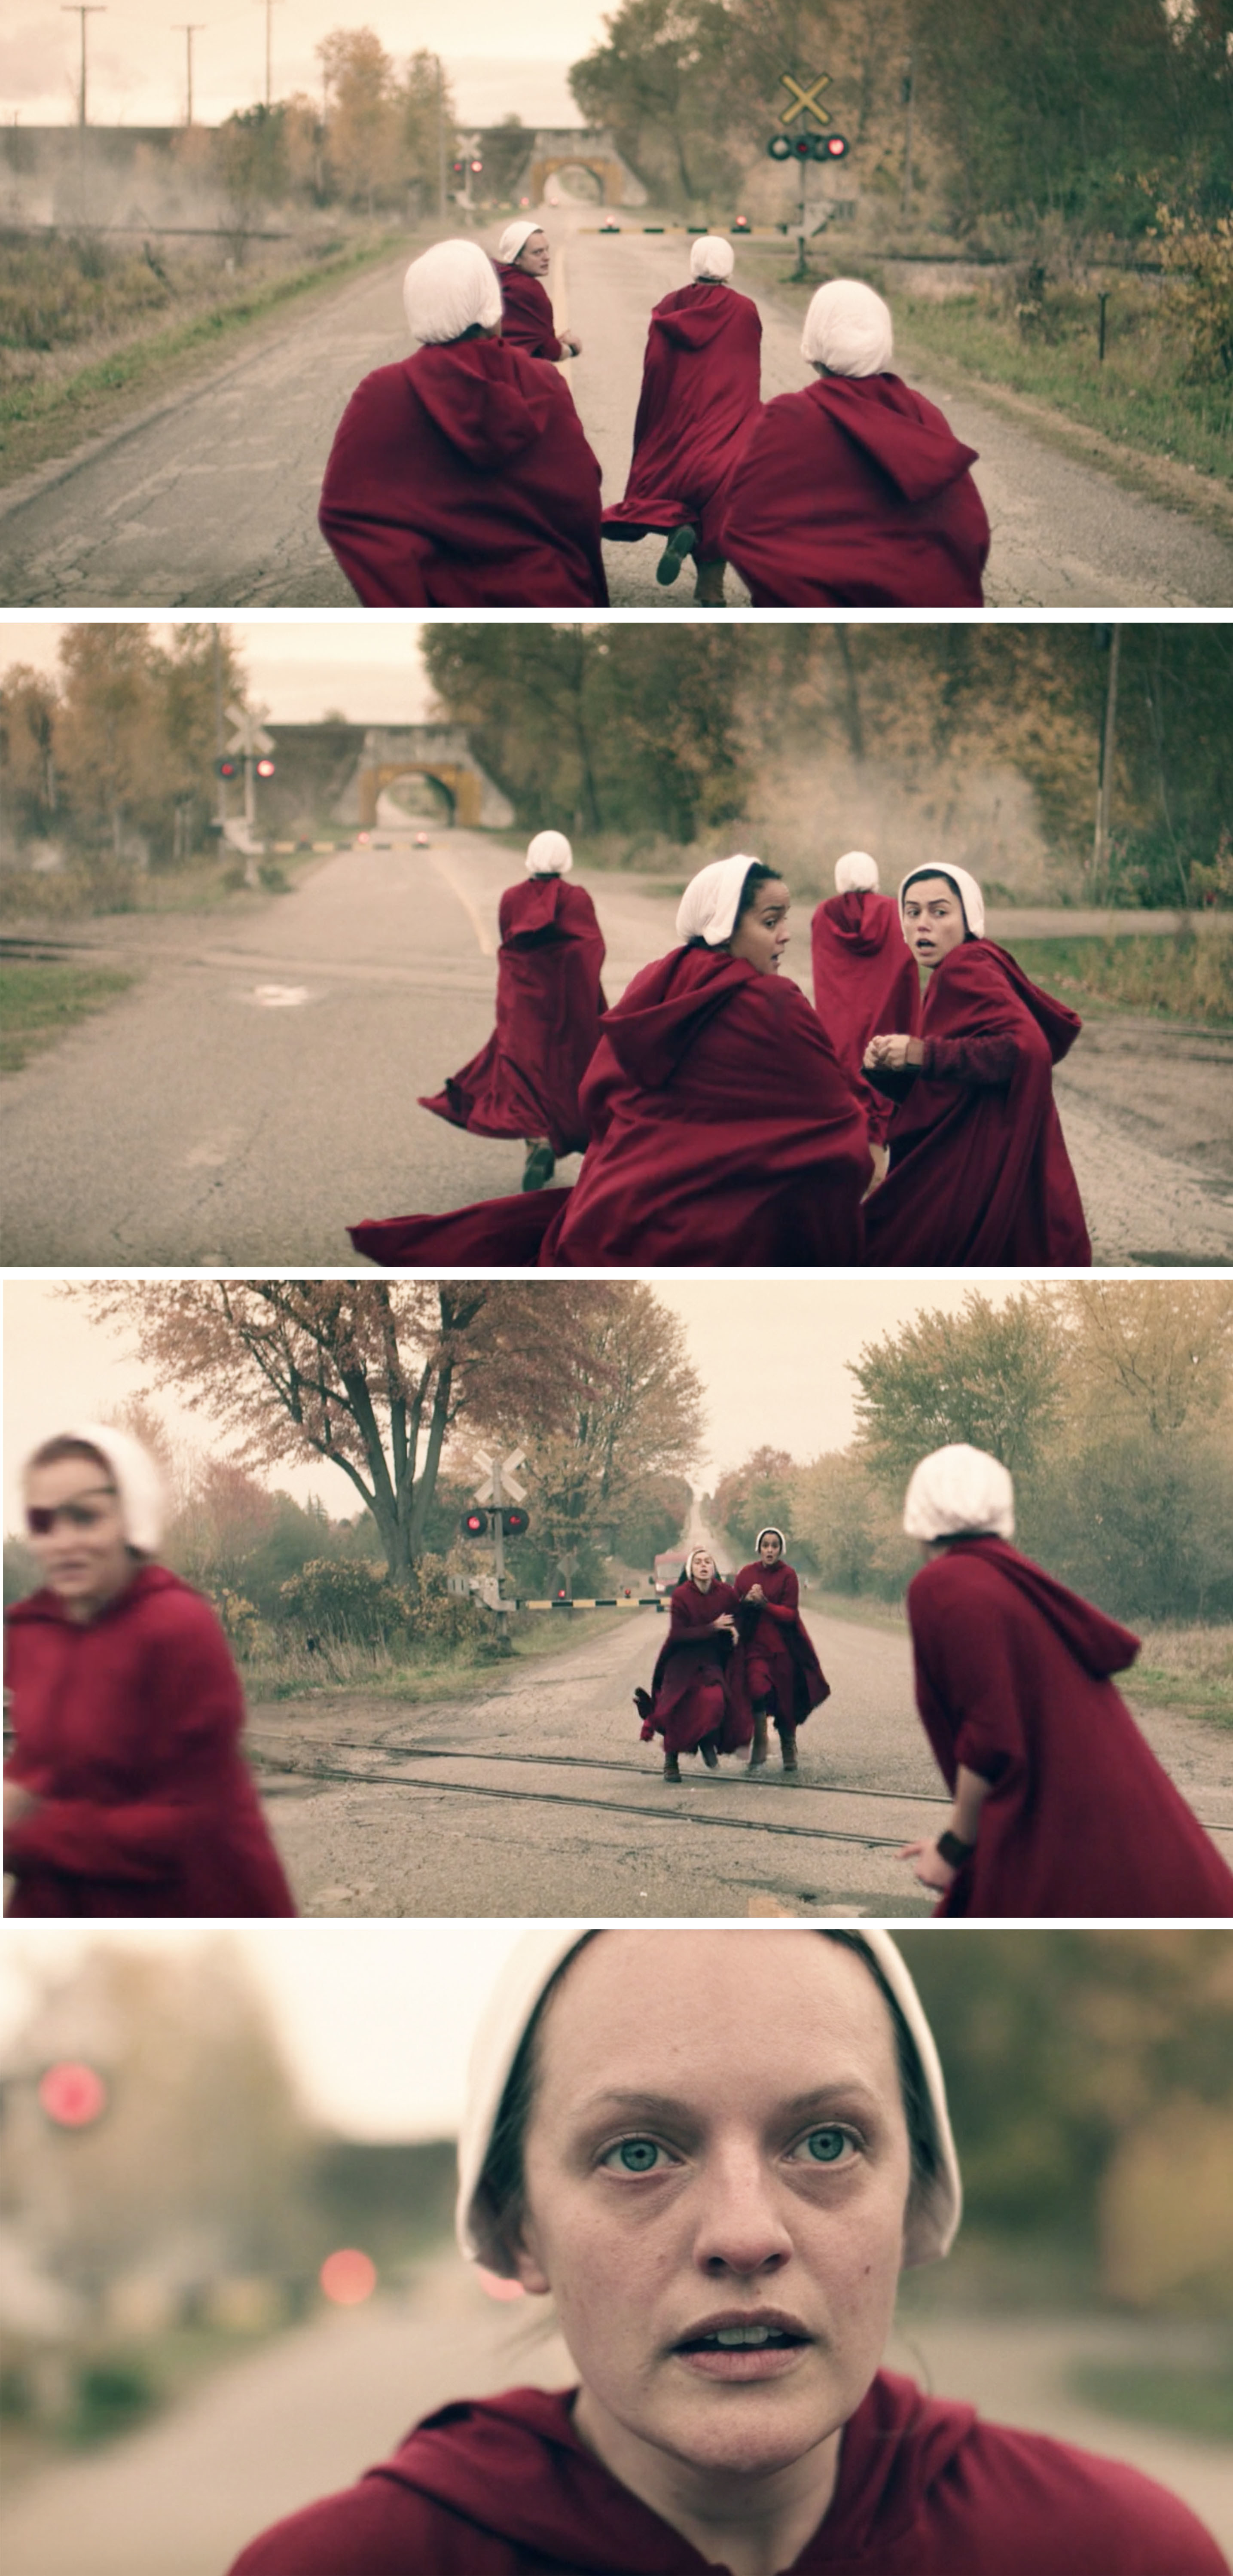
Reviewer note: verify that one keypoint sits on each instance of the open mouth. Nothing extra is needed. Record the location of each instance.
(743, 2339)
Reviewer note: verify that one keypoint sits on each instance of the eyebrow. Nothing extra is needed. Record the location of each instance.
(661, 2106)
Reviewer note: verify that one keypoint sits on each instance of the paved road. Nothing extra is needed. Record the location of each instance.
(539, 1798)
(211, 499)
(256, 1091)
(309, 2413)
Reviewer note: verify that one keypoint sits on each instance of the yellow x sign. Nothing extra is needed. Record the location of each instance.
(805, 98)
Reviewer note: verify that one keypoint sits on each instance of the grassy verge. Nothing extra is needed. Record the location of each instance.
(358, 1672)
(1189, 1668)
(41, 418)
(1190, 2399)
(39, 1002)
(1176, 977)
(1141, 396)
(859, 1610)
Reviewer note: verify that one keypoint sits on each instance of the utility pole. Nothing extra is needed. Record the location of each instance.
(440, 138)
(1104, 799)
(218, 729)
(83, 9)
(188, 33)
(498, 1554)
(909, 92)
(269, 53)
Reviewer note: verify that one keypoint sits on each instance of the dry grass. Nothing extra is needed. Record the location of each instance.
(1186, 1666)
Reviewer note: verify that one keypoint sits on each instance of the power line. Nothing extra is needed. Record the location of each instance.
(269, 52)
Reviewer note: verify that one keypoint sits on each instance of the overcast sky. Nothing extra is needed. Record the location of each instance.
(299, 668)
(771, 1356)
(500, 60)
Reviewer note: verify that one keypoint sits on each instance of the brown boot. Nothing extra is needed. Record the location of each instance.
(787, 1747)
(709, 584)
(672, 1768)
(757, 1750)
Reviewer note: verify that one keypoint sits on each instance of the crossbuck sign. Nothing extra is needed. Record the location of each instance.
(502, 1474)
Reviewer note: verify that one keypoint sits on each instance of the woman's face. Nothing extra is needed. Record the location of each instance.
(76, 1532)
(702, 1569)
(717, 2171)
(770, 1547)
(761, 935)
(535, 256)
(933, 920)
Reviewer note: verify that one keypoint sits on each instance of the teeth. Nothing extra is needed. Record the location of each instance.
(743, 2334)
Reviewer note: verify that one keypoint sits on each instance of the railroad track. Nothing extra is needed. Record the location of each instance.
(707, 1818)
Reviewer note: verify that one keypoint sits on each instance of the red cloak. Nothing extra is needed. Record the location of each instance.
(524, 1082)
(866, 983)
(128, 1732)
(701, 378)
(502, 2486)
(781, 1666)
(854, 493)
(722, 1134)
(979, 1172)
(526, 313)
(697, 1688)
(1012, 1681)
(460, 478)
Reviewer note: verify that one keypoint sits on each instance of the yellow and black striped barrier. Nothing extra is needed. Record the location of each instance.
(602, 1601)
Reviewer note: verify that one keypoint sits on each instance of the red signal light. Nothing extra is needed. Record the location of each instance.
(347, 2277)
(72, 2096)
(514, 1521)
(477, 165)
(474, 1525)
(836, 146)
(265, 769)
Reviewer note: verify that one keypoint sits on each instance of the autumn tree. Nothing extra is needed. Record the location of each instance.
(374, 1375)
(990, 1375)
(364, 125)
(28, 791)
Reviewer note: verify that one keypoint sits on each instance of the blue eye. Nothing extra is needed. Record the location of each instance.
(633, 2155)
(826, 2146)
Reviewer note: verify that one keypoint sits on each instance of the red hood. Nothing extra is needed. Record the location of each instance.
(695, 315)
(666, 1006)
(489, 401)
(971, 973)
(533, 905)
(48, 1606)
(1098, 1643)
(515, 2467)
(864, 921)
(902, 433)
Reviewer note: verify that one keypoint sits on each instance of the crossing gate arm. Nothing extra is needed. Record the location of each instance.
(603, 1601)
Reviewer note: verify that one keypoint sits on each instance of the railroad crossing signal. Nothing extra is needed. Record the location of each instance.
(805, 101)
(249, 736)
(502, 1474)
(473, 1525)
(229, 766)
(807, 147)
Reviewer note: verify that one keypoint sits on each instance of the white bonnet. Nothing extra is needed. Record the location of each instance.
(516, 236)
(856, 873)
(966, 888)
(770, 1532)
(712, 900)
(959, 1489)
(449, 288)
(712, 257)
(143, 1503)
(527, 1973)
(848, 330)
(549, 855)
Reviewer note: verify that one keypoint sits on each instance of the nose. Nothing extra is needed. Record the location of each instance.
(740, 2230)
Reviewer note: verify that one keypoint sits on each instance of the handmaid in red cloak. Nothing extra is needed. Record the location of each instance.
(657, 2136)
(1060, 1805)
(722, 1131)
(697, 1699)
(865, 977)
(524, 1081)
(126, 1792)
(460, 478)
(701, 379)
(783, 1678)
(979, 1173)
(522, 262)
(855, 493)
